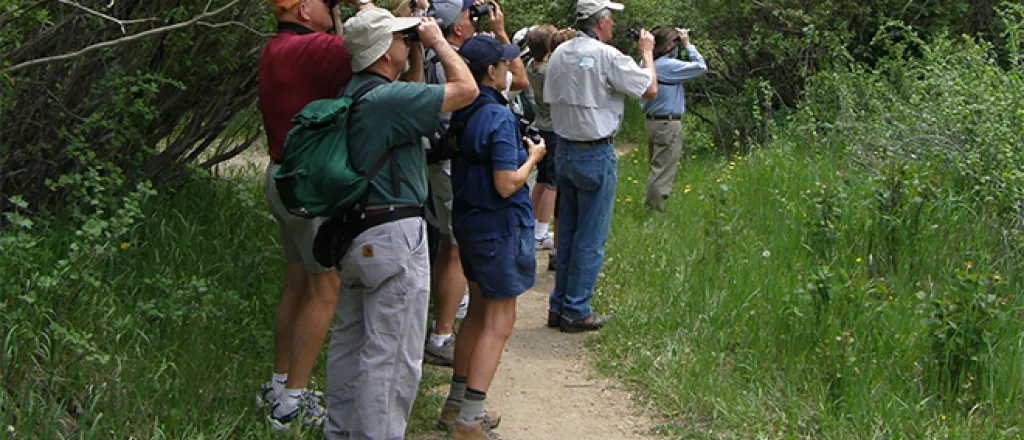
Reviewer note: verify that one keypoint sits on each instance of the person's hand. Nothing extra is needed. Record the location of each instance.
(684, 37)
(646, 42)
(497, 17)
(429, 32)
(536, 151)
(419, 5)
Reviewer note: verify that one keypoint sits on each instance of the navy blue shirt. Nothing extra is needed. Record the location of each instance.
(490, 142)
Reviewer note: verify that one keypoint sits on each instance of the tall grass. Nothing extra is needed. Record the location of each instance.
(824, 287)
(168, 335)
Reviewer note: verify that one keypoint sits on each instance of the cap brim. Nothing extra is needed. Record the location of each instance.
(615, 6)
(509, 52)
(399, 24)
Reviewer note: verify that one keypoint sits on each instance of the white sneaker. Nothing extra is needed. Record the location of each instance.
(546, 243)
(463, 305)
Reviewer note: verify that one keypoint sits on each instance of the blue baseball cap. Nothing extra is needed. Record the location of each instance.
(446, 11)
(482, 51)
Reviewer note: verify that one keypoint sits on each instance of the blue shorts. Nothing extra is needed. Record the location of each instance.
(503, 267)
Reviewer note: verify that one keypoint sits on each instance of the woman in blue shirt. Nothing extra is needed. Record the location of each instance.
(493, 222)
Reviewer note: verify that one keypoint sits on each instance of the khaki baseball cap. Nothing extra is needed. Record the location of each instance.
(368, 35)
(587, 8)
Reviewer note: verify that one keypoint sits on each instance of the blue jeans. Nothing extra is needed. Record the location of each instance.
(586, 186)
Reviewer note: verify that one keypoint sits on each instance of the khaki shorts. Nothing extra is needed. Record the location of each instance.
(295, 233)
(439, 176)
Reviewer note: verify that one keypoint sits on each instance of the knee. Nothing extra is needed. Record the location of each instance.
(323, 288)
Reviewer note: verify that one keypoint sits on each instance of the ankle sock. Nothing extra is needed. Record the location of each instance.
(540, 230)
(456, 391)
(288, 401)
(472, 405)
(277, 382)
(439, 340)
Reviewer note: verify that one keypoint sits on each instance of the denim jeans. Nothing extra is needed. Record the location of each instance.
(586, 186)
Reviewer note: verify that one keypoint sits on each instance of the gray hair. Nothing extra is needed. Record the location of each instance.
(589, 23)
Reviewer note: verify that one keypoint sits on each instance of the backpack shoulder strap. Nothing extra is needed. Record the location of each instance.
(464, 120)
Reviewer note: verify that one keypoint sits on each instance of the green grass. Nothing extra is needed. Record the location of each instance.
(167, 336)
(779, 297)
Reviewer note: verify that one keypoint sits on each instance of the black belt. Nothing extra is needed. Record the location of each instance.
(602, 141)
(664, 117)
(335, 235)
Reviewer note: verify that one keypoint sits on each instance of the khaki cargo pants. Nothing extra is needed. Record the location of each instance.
(374, 357)
(664, 141)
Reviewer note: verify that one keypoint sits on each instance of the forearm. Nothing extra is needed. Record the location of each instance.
(519, 79)
(508, 182)
(460, 87)
(415, 73)
(648, 63)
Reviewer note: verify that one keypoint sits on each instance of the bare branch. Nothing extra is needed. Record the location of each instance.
(234, 23)
(121, 40)
(119, 22)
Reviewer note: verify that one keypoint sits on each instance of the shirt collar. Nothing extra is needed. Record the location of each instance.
(293, 27)
(490, 92)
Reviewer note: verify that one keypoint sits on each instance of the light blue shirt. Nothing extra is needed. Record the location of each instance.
(671, 99)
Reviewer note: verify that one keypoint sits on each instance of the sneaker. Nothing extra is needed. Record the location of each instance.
(310, 412)
(590, 323)
(552, 261)
(442, 356)
(450, 412)
(546, 243)
(463, 305)
(265, 398)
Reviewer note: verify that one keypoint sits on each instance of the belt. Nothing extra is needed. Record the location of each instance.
(372, 211)
(602, 141)
(663, 117)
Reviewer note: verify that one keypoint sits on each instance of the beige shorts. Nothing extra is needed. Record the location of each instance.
(439, 176)
(295, 233)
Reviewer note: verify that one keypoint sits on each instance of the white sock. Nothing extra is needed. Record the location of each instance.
(439, 340)
(540, 230)
(288, 401)
(277, 382)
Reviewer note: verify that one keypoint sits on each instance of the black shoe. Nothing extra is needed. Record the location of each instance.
(588, 324)
(554, 319)
(552, 262)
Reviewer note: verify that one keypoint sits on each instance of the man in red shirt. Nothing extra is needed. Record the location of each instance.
(300, 64)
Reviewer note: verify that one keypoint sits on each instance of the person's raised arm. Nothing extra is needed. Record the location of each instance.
(519, 79)
(415, 61)
(646, 47)
(460, 88)
(508, 182)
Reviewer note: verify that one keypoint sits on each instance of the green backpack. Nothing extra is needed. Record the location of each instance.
(316, 178)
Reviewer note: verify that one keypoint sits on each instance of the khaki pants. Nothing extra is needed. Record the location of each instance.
(664, 141)
(376, 348)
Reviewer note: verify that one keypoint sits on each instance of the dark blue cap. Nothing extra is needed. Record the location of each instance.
(482, 51)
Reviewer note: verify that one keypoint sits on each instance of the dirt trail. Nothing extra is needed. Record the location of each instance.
(544, 388)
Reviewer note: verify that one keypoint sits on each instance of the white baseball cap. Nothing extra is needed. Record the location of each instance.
(587, 8)
(368, 35)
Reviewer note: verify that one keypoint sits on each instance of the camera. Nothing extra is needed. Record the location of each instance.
(533, 134)
(633, 34)
(411, 36)
(479, 10)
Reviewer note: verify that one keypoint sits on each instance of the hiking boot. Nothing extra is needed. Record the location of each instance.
(546, 243)
(590, 323)
(309, 412)
(477, 430)
(442, 356)
(450, 412)
(554, 319)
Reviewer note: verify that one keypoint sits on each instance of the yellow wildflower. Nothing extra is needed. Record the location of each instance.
(124, 245)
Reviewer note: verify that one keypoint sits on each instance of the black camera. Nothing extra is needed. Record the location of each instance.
(411, 36)
(479, 10)
(633, 34)
(533, 134)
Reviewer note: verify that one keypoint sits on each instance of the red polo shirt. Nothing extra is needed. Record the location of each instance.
(297, 66)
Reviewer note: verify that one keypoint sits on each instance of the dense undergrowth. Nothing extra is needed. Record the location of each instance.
(857, 277)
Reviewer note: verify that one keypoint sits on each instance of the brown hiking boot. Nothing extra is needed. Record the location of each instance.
(442, 356)
(450, 412)
(554, 319)
(473, 431)
(590, 323)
